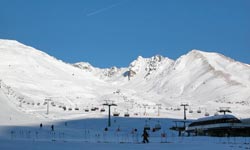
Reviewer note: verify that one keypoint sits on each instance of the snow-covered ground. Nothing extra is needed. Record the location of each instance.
(206, 81)
(90, 134)
(155, 89)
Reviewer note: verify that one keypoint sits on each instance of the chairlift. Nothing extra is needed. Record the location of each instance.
(116, 114)
(146, 127)
(76, 108)
(136, 114)
(38, 104)
(198, 111)
(69, 109)
(157, 126)
(86, 110)
(126, 115)
(102, 110)
(64, 108)
(93, 109)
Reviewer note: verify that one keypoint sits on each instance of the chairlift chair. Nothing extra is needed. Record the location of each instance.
(116, 114)
(157, 126)
(126, 115)
(93, 109)
(146, 127)
(102, 110)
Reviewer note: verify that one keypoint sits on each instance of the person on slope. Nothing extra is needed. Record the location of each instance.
(145, 136)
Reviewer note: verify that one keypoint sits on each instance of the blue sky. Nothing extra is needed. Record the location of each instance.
(115, 32)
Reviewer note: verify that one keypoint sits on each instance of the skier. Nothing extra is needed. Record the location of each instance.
(145, 136)
(52, 127)
(41, 125)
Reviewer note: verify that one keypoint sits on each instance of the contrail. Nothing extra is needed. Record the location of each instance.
(102, 10)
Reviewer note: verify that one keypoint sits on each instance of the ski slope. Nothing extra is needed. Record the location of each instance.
(206, 81)
(151, 94)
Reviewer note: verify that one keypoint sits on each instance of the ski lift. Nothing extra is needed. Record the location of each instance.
(146, 126)
(199, 111)
(126, 115)
(102, 110)
(76, 108)
(206, 114)
(136, 114)
(64, 108)
(69, 109)
(157, 126)
(116, 114)
(93, 109)
(38, 104)
(86, 110)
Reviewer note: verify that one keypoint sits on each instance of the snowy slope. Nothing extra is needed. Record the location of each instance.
(206, 81)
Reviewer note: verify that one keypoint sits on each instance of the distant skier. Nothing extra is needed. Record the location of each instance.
(52, 127)
(41, 125)
(145, 136)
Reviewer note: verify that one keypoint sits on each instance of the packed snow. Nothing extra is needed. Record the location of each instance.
(37, 88)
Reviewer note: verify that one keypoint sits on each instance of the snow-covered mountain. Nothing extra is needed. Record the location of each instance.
(206, 81)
